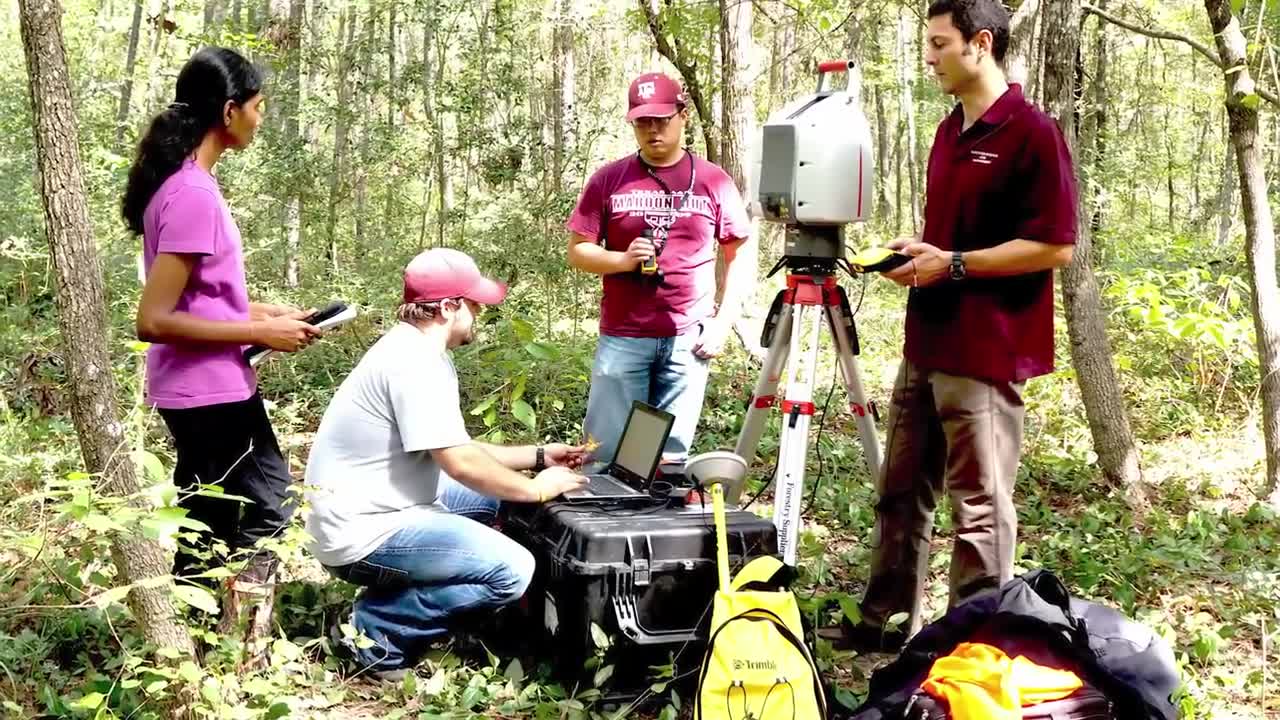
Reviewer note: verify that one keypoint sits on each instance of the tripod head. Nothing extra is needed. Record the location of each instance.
(813, 250)
(811, 170)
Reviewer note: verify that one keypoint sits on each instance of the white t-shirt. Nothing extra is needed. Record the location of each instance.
(369, 473)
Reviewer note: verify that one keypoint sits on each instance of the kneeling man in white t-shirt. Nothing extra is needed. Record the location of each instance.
(401, 495)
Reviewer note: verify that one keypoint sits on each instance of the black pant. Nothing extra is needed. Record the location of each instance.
(230, 446)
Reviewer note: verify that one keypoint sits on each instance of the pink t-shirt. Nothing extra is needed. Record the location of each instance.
(188, 216)
(633, 200)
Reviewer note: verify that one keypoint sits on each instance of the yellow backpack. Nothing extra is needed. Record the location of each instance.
(756, 666)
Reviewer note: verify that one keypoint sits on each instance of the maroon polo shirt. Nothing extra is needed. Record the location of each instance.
(1007, 177)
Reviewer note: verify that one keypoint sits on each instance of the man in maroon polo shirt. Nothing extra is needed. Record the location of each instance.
(1000, 214)
(658, 331)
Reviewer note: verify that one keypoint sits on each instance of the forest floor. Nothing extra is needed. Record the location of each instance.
(1200, 566)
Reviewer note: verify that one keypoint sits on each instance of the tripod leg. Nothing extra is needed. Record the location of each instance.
(844, 333)
(762, 398)
(797, 414)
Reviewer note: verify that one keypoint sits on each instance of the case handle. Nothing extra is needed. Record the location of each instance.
(628, 617)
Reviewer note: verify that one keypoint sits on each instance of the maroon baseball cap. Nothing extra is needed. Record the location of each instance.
(654, 95)
(443, 273)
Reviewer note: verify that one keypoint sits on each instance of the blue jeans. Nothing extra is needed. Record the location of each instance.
(662, 372)
(429, 573)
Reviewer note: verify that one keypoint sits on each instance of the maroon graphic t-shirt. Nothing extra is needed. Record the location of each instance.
(628, 199)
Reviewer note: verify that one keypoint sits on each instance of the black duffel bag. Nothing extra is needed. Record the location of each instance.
(1125, 663)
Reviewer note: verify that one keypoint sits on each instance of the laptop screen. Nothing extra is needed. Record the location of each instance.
(642, 441)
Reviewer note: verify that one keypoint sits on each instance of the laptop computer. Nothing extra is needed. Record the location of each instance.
(637, 456)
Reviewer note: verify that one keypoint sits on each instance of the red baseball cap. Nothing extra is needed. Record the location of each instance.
(654, 95)
(443, 273)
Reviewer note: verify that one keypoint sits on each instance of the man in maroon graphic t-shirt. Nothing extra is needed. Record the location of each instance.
(662, 206)
(1000, 215)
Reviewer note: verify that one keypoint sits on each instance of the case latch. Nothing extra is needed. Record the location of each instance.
(639, 572)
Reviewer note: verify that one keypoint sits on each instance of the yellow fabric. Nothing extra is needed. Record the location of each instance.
(751, 670)
(981, 682)
(758, 570)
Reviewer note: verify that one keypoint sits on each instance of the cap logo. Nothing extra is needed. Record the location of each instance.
(646, 90)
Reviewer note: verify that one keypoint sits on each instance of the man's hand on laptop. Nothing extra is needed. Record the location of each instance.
(555, 481)
(562, 455)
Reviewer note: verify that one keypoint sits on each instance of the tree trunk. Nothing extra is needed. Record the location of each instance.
(789, 22)
(1017, 59)
(390, 206)
(670, 48)
(737, 117)
(907, 107)
(1197, 166)
(316, 32)
(1086, 324)
(564, 81)
(1242, 114)
(897, 179)
(214, 13)
(737, 68)
(286, 34)
(82, 320)
(775, 60)
(342, 121)
(881, 115)
(126, 88)
(157, 87)
(444, 186)
(853, 52)
(1226, 203)
(366, 129)
(1098, 126)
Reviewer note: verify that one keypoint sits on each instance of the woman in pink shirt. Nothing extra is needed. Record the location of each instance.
(195, 312)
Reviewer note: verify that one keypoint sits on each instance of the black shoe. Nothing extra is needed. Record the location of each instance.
(344, 649)
(864, 638)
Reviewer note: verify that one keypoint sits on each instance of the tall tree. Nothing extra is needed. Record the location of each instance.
(285, 34)
(907, 114)
(126, 85)
(162, 25)
(564, 80)
(1242, 98)
(1095, 150)
(434, 60)
(82, 320)
(737, 52)
(738, 119)
(1021, 41)
(1086, 324)
(673, 50)
(389, 208)
(342, 124)
(215, 12)
(365, 105)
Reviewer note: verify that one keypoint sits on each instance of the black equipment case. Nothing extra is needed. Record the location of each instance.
(645, 576)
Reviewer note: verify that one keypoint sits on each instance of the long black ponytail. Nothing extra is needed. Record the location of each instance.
(210, 78)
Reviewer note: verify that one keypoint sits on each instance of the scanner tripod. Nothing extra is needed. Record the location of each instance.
(791, 332)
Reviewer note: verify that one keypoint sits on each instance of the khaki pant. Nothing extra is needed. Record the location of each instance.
(954, 433)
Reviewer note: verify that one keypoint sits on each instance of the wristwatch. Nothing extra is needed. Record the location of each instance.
(957, 265)
(540, 461)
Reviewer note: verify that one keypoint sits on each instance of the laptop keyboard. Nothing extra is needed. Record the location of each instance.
(605, 485)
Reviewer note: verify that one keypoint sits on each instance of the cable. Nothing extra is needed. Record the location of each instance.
(817, 479)
(764, 487)
(821, 424)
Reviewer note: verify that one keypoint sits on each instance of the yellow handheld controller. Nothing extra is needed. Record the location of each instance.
(878, 259)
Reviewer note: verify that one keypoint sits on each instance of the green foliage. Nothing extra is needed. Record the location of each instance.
(1199, 565)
